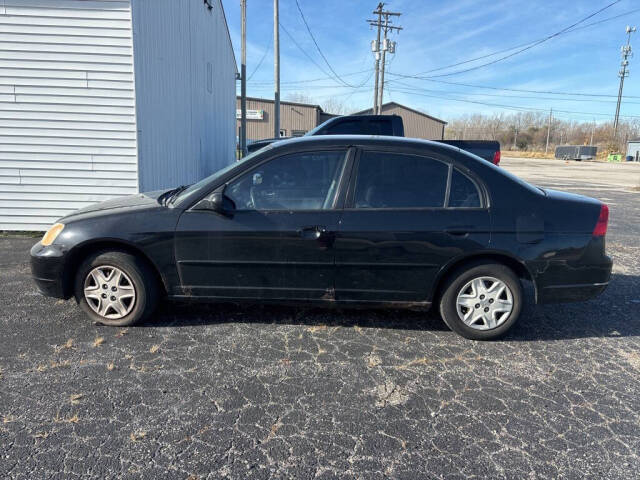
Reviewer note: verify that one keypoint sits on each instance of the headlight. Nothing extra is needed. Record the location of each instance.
(52, 234)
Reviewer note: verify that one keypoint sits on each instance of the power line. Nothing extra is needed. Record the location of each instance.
(359, 86)
(264, 55)
(509, 107)
(306, 54)
(524, 49)
(419, 77)
(461, 84)
(419, 89)
(532, 42)
(318, 79)
(318, 47)
(544, 92)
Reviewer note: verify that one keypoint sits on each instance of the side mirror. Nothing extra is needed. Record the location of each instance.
(217, 202)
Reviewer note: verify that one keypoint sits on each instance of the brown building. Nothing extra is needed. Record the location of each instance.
(296, 119)
(416, 124)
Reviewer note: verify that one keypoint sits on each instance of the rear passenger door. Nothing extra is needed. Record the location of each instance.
(406, 216)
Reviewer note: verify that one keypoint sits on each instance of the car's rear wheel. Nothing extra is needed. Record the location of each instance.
(482, 301)
(116, 288)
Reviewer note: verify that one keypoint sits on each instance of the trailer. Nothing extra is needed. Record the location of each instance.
(576, 152)
(633, 150)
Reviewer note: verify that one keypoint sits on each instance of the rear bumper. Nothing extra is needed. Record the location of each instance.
(571, 293)
(47, 270)
(573, 283)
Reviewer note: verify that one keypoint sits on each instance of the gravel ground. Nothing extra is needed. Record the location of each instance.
(272, 392)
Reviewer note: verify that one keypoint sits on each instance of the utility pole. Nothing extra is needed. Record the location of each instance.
(516, 127)
(593, 127)
(276, 69)
(243, 81)
(626, 53)
(377, 48)
(546, 148)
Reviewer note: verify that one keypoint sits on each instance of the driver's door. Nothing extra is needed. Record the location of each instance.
(277, 243)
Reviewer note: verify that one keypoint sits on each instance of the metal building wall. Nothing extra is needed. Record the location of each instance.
(185, 91)
(293, 116)
(67, 116)
(416, 124)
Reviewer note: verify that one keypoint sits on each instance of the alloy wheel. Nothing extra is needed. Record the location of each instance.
(109, 292)
(484, 303)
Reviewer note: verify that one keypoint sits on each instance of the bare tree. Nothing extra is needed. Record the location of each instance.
(532, 131)
(330, 105)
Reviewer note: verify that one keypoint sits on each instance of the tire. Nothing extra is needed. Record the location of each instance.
(136, 277)
(466, 285)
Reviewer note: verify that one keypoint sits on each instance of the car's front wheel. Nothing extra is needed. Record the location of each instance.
(482, 301)
(116, 288)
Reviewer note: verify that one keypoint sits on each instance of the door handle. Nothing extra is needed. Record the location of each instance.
(458, 231)
(315, 232)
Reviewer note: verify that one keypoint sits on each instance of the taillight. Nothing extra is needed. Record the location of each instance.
(496, 158)
(600, 230)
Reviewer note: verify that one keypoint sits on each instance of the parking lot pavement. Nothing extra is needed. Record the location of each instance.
(258, 392)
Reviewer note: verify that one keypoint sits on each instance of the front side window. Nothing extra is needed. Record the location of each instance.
(300, 181)
(390, 180)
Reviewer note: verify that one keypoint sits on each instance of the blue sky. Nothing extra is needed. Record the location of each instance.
(440, 33)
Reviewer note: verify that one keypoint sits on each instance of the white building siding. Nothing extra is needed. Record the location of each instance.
(185, 91)
(67, 108)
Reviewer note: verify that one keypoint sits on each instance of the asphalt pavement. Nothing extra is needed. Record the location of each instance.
(221, 391)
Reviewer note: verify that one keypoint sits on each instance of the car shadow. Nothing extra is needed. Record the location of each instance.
(180, 314)
(613, 314)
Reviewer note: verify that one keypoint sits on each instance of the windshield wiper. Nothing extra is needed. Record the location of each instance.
(174, 194)
(169, 195)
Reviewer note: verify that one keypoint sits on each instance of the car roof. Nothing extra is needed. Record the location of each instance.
(362, 140)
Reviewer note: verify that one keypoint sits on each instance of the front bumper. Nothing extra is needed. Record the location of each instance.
(47, 270)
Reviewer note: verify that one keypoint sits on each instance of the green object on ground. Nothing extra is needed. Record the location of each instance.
(614, 157)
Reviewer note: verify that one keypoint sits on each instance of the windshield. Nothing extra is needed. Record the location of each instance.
(194, 190)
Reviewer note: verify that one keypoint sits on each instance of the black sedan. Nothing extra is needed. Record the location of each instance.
(346, 220)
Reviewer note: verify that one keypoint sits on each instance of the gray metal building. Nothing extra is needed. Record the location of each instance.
(101, 98)
(296, 119)
(416, 124)
(633, 149)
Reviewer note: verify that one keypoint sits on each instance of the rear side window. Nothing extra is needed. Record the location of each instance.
(464, 193)
(347, 127)
(380, 127)
(361, 127)
(390, 180)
